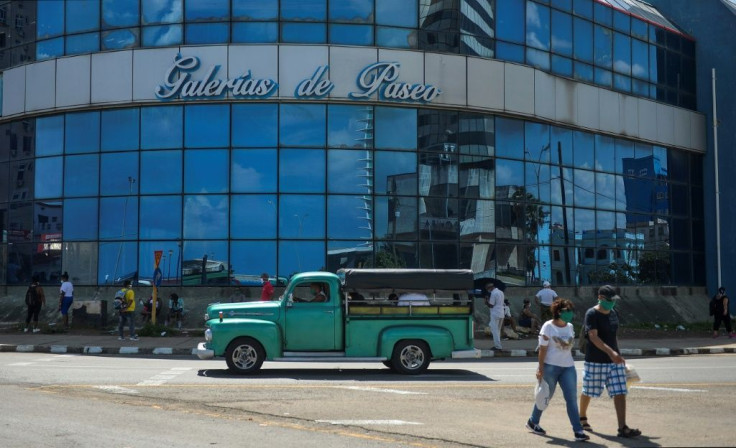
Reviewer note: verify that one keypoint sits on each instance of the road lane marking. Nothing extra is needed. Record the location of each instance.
(163, 377)
(368, 422)
(668, 389)
(376, 389)
(117, 390)
(20, 364)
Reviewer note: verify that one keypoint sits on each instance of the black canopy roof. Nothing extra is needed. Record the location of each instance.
(408, 279)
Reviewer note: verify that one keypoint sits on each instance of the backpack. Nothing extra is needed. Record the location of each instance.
(119, 302)
(32, 296)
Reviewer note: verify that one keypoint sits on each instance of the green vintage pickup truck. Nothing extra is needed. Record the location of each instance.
(403, 318)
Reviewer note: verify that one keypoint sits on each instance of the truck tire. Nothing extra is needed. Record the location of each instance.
(244, 356)
(411, 357)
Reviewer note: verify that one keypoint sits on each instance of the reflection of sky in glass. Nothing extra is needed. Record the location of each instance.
(390, 12)
(206, 171)
(312, 33)
(50, 18)
(81, 175)
(253, 170)
(48, 179)
(253, 258)
(537, 26)
(300, 256)
(161, 36)
(50, 48)
(207, 9)
(253, 216)
(162, 11)
(111, 218)
(389, 135)
(255, 125)
(82, 132)
(346, 171)
(168, 264)
(116, 13)
(352, 11)
(509, 138)
(82, 15)
(346, 126)
(302, 125)
(389, 165)
(260, 10)
(215, 251)
(255, 32)
(83, 43)
(206, 216)
(302, 170)
(120, 129)
(604, 153)
(584, 188)
(207, 126)
(207, 33)
(49, 135)
(351, 34)
(161, 225)
(346, 217)
(80, 219)
(301, 216)
(509, 173)
(584, 220)
(605, 187)
(160, 172)
(118, 39)
(561, 33)
(584, 150)
(161, 127)
(304, 10)
(117, 260)
(395, 37)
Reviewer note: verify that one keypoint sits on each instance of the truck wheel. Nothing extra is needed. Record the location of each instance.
(244, 355)
(411, 357)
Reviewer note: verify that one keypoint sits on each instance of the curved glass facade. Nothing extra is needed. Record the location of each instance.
(228, 191)
(586, 40)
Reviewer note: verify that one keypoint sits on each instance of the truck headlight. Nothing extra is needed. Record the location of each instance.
(208, 335)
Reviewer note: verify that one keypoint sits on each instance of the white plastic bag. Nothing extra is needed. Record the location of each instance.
(631, 375)
(541, 395)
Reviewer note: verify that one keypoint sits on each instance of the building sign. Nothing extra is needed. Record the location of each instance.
(380, 79)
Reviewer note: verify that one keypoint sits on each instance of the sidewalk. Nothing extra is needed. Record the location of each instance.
(96, 344)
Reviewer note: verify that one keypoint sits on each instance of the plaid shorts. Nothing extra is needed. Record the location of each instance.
(596, 374)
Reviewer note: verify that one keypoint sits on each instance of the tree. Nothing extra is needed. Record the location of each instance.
(654, 268)
(386, 259)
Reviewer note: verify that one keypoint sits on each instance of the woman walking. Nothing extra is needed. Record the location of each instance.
(35, 299)
(557, 366)
(66, 297)
(720, 312)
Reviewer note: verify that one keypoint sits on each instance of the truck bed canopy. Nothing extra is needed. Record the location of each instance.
(407, 279)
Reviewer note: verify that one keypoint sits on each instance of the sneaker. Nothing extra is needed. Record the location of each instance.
(536, 429)
(36, 330)
(581, 437)
(134, 338)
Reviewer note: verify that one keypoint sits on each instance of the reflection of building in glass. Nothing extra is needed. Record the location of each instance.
(647, 199)
(447, 25)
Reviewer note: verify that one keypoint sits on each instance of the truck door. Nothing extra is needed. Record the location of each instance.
(310, 320)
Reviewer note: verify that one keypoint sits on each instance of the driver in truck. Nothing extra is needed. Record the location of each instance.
(318, 293)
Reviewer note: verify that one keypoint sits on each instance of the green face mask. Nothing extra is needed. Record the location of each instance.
(606, 305)
(566, 316)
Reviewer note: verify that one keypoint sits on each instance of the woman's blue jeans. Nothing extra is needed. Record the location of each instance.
(567, 377)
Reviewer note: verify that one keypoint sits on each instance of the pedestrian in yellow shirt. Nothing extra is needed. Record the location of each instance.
(127, 313)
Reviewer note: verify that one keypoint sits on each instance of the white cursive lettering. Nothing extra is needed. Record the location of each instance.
(381, 78)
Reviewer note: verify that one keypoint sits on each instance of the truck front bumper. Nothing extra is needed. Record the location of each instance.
(203, 352)
(466, 354)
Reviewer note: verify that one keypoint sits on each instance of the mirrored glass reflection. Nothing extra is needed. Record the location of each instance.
(160, 225)
(250, 259)
(81, 175)
(300, 256)
(49, 19)
(395, 173)
(253, 216)
(162, 11)
(255, 125)
(80, 261)
(260, 10)
(302, 170)
(437, 256)
(161, 127)
(119, 218)
(162, 36)
(169, 263)
(302, 125)
(253, 170)
(301, 216)
(349, 217)
(209, 10)
(349, 254)
(206, 171)
(120, 129)
(206, 263)
(48, 182)
(207, 126)
(396, 254)
(350, 126)
(388, 136)
(80, 219)
(395, 217)
(50, 135)
(117, 262)
(161, 172)
(204, 215)
(119, 14)
(349, 171)
(82, 132)
(82, 15)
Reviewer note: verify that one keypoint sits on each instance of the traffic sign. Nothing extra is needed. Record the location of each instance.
(157, 277)
(157, 257)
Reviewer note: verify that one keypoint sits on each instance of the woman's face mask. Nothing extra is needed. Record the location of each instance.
(607, 304)
(566, 316)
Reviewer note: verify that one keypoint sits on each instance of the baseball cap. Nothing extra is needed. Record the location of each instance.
(545, 284)
(609, 292)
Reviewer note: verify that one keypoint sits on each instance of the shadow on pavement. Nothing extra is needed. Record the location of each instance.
(360, 375)
(641, 440)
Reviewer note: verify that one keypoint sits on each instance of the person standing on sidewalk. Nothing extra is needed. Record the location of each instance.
(267, 291)
(496, 303)
(35, 299)
(557, 366)
(127, 313)
(721, 313)
(603, 363)
(544, 299)
(66, 297)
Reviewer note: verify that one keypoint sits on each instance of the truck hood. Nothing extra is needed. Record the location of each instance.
(245, 310)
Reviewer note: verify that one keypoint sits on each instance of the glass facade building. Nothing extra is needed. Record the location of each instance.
(230, 186)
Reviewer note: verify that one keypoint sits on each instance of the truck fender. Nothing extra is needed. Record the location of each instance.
(439, 339)
(265, 332)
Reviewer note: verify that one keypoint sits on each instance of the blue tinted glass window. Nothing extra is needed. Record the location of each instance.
(583, 32)
(393, 13)
(301, 216)
(207, 33)
(640, 88)
(537, 26)
(622, 22)
(49, 19)
(310, 33)
(639, 29)
(49, 135)
(119, 218)
(48, 177)
(82, 132)
(536, 58)
(117, 261)
(205, 216)
(207, 10)
(255, 32)
(509, 17)
(119, 39)
(603, 14)
(583, 8)
(302, 125)
(561, 33)
(304, 10)
(217, 270)
(639, 59)
(162, 11)
(622, 53)
(395, 173)
(302, 170)
(351, 34)
(207, 126)
(583, 150)
(388, 135)
(300, 256)
(83, 43)
(565, 5)
(253, 171)
(251, 258)
(170, 260)
(255, 125)
(624, 153)
(46, 49)
(349, 171)
(509, 138)
(161, 225)
(161, 127)
(603, 45)
(354, 11)
(253, 216)
(583, 72)
(604, 154)
(395, 37)
(119, 14)
(348, 217)
(116, 172)
(206, 171)
(509, 173)
(260, 10)
(562, 66)
(603, 77)
(120, 129)
(563, 138)
(162, 36)
(349, 127)
(82, 15)
(510, 52)
(81, 175)
(584, 192)
(621, 82)
(80, 219)
(161, 172)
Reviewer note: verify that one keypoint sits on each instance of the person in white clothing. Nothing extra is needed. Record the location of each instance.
(557, 366)
(544, 299)
(496, 303)
(413, 299)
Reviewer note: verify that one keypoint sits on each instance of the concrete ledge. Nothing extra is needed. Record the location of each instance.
(163, 351)
(717, 350)
(58, 349)
(92, 350)
(25, 348)
(631, 352)
(663, 352)
(128, 350)
(519, 353)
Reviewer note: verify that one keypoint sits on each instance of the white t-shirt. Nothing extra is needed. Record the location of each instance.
(67, 289)
(547, 296)
(497, 300)
(559, 345)
(413, 299)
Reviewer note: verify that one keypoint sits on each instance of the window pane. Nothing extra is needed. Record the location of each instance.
(604, 154)
(395, 217)
(639, 59)
(120, 39)
(624, 152)
(82, 15)
(160, 225)
(583, 8)
(301, 216)
(207, 10)
(562, 66)
(260, 10)
(162, 36)
(509, 177)
(120, 130)
(50, 48)
(118, 14)
(538, 59)
(82, 132)
(395, 173)
(477, 134)
(161, 172)
(253, 216)
(605, 187)
(117, 262)
(302, 170)
(510, 16)
(216, 269)
(207, 126)
(204, 216)
(393, 13)
(357, 11)
(162, 11)
(250, 259)
(161, 127)
(83, 43)
(48, 177)
(80, 219)
(603, 14)
(207, 33)
(300, 256)
(255, 32)
(255, 125)
(583, 150)
(349, 217)
(206, 171)
(302, 125)
(583, 32)
(310, 33)
(304, 10)
(80, 260)
(603, 45)
(395, 37)
(349, 127)
(509, 138)
(170, 260)
(49, 135)
(537, 26)
(349, 254)
(584, 189)
(388, 135)
(118, 173)
(561, 33)
(253, 171)
(50, 19)
(81, 175)
(622, 53)
(119, 218)
(349, 171)
(351, 34)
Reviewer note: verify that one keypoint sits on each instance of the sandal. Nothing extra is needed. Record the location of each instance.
(584, 422)
(628, 433)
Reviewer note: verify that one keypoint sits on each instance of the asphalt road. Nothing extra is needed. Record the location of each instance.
(75, 400)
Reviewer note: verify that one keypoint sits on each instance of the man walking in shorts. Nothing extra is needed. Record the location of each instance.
(603, 363)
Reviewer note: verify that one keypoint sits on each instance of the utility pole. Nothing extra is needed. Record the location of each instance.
(564, 215)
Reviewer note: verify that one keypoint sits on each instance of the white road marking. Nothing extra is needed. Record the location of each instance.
(117, 390)
(376, 389)
(668, 389)
(20, 364)
(163, 377)
(368, 422)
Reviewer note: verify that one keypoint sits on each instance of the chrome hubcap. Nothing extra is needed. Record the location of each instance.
(412, 357)
(245, 356)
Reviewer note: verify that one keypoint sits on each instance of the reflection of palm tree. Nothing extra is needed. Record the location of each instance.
(528, 212)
